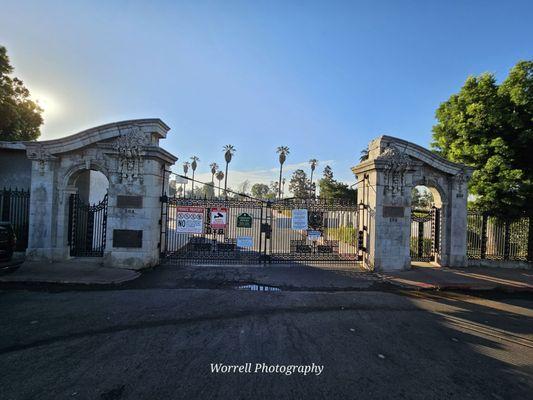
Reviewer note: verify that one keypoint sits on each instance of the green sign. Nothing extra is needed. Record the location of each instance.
(244, 221)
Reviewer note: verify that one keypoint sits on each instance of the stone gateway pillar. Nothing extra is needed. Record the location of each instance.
(129, 155)
(385, 181)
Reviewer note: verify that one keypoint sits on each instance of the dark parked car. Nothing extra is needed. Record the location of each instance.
(8, 241)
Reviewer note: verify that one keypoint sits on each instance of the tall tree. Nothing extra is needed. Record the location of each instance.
(490, 127)
(194, 165)
(313, 162)
(20, 117)
(229, 151)
(331, 189)
(260, 190)
(283, 151)
(328, 173)
(186, 166)
(220, 176)
(214, 169)
(299, 184)
(274, 188)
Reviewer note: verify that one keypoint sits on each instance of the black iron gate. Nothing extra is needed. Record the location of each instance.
(425, 234)
(87, 227)
(212, 230)
(251, 231)
(15, 208)
(330, 236)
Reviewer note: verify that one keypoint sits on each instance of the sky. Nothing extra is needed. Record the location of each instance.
(321, 77)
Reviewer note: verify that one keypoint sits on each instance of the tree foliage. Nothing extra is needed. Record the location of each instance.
(260, 190)
(421, 198)
(20, 117)
(490, 128)
(331, 189)
(300, 185)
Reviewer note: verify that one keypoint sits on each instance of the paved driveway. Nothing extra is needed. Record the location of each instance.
(153, 343)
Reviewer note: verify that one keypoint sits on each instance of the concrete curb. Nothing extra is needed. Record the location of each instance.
(68, 274)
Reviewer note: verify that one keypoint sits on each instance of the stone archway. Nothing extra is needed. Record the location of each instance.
(128, 154)
(385, 180)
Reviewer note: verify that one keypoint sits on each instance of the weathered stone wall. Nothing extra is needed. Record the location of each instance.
(129, 156)
(393, 168)
(15, 168)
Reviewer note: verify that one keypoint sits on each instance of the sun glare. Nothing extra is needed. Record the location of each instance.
(47, 102)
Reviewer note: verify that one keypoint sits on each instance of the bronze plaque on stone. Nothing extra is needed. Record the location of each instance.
(129, 201)
(392, 212)
(127, 238)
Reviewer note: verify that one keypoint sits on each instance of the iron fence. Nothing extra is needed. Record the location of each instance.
(425, 234)
(15, 208)
(192, 233)
(331, 235)
(87, 227)
(493, 238)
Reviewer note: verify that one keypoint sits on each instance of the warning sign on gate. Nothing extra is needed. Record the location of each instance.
(219, 217)
(189, 219)
(299, 219)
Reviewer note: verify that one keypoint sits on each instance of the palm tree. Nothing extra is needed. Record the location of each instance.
(283, 187)
(314, 163)
(282, 151)
(229, 151)
(220, 176)
(194, 164)
(214, 168)
(364, 155)
(186, 165)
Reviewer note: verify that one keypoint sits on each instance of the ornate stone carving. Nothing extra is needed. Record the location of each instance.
(130, 148)
(459, 181)
(42, 155)
(397, 163)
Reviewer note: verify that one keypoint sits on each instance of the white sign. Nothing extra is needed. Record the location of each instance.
(299, 219)
(314, 235)
(189, 219)
(245, 241)
(219, 216)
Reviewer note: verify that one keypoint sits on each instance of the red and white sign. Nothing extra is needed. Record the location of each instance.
(189, 219)
(219, 217)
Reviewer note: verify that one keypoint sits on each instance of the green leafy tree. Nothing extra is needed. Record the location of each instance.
(421, 198)
(20, 117)
(299, 184)
(260, 190)
(328, 173)
(490, 128)
(273, 190)
(331, 189)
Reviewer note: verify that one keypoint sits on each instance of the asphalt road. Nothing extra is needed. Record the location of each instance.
(154, 343)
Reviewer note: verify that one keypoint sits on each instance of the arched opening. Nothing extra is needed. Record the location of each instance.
(87, 213)
(91, 186)
(426, 224)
